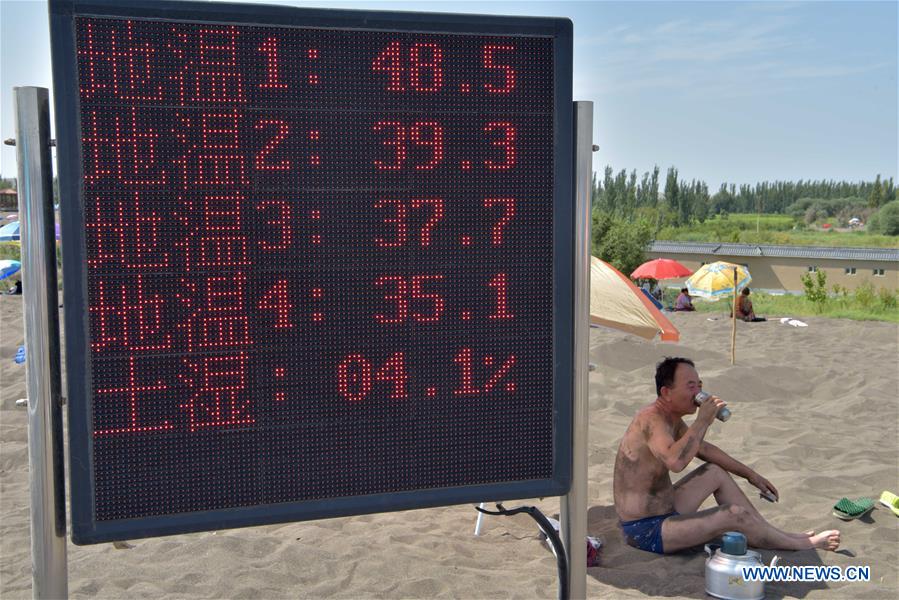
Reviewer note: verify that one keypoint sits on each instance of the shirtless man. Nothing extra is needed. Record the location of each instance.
(660, 517)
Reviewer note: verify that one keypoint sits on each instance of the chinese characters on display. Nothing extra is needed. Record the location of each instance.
(313, 257)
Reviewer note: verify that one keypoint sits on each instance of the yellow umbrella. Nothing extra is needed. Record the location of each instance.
(716, 280)
(616, 302)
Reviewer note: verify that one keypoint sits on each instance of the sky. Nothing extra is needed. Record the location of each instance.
(737, 92)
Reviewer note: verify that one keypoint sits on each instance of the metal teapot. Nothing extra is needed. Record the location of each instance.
(724, 569)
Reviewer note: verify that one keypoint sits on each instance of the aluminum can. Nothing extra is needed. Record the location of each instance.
(723, 412)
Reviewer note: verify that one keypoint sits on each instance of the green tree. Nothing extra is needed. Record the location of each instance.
(621, 192)
(722, 201)
(815, 289)
(654, 186)
(648, 191)
(885, 220)
(620, 241)
(672, 191)
(607, 197)
(875, 198)
(630, 198)
(701, 202)
(889, 191)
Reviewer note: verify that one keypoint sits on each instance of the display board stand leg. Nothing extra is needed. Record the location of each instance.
(42, 365)
(477, 525)
(574, 505)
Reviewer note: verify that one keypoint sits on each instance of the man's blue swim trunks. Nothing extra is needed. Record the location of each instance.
(646, 534)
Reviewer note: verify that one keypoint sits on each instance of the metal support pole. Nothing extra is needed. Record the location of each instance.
(574, 505)
(42, 364)
(477, 525)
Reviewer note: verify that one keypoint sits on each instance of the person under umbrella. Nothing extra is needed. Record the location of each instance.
(652, 272)
(745, 310)
(684, 302)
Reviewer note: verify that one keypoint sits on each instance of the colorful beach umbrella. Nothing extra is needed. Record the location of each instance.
(9, 267)
(716, 280)
(10, 232)
(661, 268)
(617, 303)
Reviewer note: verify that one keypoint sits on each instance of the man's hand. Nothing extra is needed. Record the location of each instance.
(765, 486)
(709, 408)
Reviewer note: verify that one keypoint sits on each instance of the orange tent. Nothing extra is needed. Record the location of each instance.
(617, 303)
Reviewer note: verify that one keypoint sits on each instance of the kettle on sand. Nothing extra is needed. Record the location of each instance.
(724, 569)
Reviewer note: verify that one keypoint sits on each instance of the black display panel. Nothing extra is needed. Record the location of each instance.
(316, 263)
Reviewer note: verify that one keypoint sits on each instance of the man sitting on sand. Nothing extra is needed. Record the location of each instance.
(744, 308)
(660, 517)
(15, 290)
(684, 302)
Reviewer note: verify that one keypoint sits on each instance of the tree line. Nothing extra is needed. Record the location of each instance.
(628, 212)
(687, 201)
(682, 202)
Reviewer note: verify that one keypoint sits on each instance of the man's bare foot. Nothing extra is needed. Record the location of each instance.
(826, 540)
(803, 535)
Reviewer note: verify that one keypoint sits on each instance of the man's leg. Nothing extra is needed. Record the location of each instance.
(704, 481)
(707, 479)
(688, 530)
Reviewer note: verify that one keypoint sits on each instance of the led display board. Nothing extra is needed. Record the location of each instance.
(316, 263)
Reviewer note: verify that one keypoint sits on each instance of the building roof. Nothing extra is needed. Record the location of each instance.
(717, 249)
